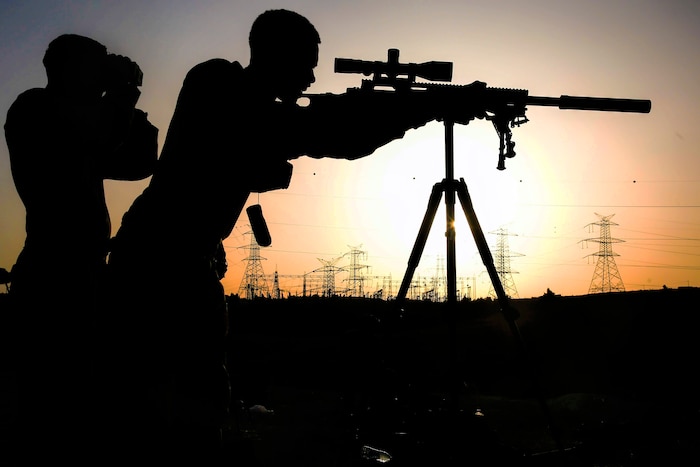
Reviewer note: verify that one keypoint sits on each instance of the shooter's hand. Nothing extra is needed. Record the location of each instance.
(463, 104)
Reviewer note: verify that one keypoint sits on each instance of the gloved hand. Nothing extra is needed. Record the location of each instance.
(460, 104)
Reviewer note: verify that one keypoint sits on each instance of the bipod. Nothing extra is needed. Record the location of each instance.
(453, 189)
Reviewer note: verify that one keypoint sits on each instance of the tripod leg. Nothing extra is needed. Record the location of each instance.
(418, 247)
(484, 251)
(509, 312)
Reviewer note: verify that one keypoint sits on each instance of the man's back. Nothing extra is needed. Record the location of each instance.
(52, 145)
(216, 152)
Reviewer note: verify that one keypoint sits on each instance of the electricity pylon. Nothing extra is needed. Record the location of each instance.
(438, 283)
(606, 277)
(277, 291)
(356, 286)
(253, 283)
(502, 263)
(329, 271)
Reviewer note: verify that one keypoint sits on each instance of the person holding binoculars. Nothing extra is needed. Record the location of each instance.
(64, 140)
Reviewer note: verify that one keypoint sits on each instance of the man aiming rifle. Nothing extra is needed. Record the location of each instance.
(233, 133)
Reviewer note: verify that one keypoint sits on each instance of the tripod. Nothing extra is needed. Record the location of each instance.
(451, 187)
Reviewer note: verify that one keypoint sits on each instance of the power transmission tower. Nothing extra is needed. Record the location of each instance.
(606, 277)
(438, 283)
(356, 280)
(502, 264)
(329, 271)
(278, 292)
(253, 283)
(467, 290)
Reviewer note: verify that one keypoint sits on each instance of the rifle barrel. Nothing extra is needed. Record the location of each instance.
(593, 103)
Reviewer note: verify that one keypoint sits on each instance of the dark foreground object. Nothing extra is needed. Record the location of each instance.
(611, 381)
(354, 382)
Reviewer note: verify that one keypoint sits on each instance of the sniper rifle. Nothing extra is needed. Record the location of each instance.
(504, 107)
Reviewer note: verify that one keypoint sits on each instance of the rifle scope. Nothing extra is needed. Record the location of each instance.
(433, 71)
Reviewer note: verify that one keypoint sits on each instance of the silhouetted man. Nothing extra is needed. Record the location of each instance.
(63, 141)
(233, 132)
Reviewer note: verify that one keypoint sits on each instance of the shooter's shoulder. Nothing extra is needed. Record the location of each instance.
(215, 69)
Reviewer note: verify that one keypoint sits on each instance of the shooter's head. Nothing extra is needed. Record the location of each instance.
(284, 52)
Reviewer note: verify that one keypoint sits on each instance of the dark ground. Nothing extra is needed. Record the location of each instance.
(611, 380)
(601, 380)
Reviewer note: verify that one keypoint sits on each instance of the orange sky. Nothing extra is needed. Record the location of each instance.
(641, 168)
